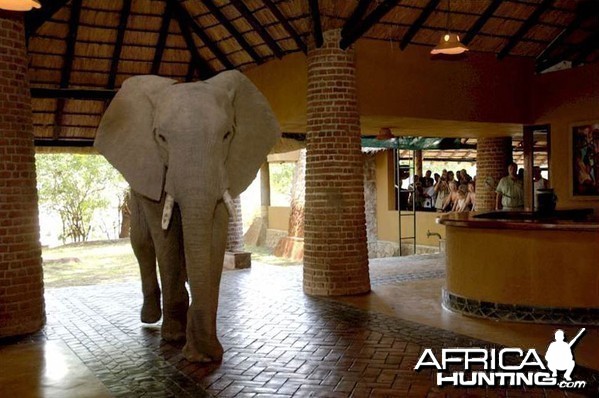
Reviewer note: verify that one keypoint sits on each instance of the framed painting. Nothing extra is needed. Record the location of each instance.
(585, 160)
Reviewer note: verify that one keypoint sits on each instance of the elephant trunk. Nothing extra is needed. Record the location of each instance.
(204, 232)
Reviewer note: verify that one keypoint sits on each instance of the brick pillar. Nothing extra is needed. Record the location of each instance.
(492, 157)
(335, 247)
(418, 163)
(21, 278)
(235, 235)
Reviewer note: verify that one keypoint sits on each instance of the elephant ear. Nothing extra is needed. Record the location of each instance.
(125, 134)
(256, 129)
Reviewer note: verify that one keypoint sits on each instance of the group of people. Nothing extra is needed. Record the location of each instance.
(444, 192)
(456, 192)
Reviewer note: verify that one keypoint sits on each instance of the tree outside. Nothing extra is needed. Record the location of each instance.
(80, 197)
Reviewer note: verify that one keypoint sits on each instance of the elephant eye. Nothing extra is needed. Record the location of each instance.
(227, 135)
(161, 137)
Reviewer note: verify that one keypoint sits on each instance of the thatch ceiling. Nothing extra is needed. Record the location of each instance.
(77, 46)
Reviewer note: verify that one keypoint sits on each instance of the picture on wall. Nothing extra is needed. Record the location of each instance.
(585, 159)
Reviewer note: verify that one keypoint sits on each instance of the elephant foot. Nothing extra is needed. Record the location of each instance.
(150, 310)
(193, 355)
(172, 330)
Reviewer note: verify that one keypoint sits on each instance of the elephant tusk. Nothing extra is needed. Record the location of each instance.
(230, 205)
(167, 213)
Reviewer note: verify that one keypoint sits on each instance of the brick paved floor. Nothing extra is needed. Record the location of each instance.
(278, 341)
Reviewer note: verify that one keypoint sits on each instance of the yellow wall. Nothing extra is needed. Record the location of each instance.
(278, 218)
(562, 98)
(394, 84)
(387, 220)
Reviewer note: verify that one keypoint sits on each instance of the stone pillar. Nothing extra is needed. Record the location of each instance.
(21, 278)
(235, 236)
(492, 157)
(370, 203)
(418, 163)
(264, 193)
(292, 246)
(335, 248)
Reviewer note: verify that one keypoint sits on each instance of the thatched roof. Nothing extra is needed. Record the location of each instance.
(77, 46)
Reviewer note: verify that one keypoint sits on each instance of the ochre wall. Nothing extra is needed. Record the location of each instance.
(408, 84)
(561, 99)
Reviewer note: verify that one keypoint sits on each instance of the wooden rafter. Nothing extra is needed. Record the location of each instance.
(204, 69)
(184, 18)
(524, 28)
(590, 43)
(35, 18)
(72, 93)
(286, 25)
(372, 18)
(118, 46)
(67, 68)
(224, 21)
(162, 35)
(258, 27)
(481, 21)
(415, 27)
(316, 24)
(355, 17)
(585, 11)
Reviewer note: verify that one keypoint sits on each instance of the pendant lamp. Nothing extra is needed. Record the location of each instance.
(19, 5)
(450, 42)
(385, 134)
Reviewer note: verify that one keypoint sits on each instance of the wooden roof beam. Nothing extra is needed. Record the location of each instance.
(286, 25)
(481, 21)
(372, 18)
(355, 17)
(35, 18)
(118, 46)
(72, 93)
(585, 10)
(590, 43)
(224, 21)
(415, 27)
(67, 67)
(316, 23)
(524, 28)
(258, 27)
(162, 35)
(205, 70)
(184, 18)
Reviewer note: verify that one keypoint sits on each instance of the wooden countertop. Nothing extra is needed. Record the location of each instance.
(562, 220)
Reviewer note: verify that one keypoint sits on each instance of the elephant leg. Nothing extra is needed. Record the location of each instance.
(143, 248)
(202, 341)
(171, 265)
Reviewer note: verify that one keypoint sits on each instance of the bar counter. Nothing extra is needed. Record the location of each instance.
(522, 266)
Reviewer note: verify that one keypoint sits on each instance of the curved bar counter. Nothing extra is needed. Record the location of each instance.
(521, 266)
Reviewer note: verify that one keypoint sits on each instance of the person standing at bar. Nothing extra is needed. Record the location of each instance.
(510, 191)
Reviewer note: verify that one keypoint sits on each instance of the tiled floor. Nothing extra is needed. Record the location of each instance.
(279, 342)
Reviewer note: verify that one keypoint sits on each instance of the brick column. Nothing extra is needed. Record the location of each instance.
(335, 246)
(235, 235)
(492, 157)
(21, 279)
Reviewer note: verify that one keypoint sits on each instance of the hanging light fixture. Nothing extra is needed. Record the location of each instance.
(450, 42)
(19, 5)
(385, 134)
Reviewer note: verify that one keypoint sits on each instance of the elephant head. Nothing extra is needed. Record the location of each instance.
(176, 138)
(198, 143)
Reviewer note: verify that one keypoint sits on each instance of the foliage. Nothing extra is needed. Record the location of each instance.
(75, 187)
(281, 179)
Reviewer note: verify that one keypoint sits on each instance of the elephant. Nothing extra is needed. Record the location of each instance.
(186, 149)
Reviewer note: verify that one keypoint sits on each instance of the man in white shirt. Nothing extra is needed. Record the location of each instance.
(510, 191)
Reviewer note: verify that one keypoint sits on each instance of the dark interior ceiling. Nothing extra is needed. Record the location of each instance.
(82, 50)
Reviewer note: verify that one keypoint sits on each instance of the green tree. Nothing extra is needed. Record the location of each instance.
(75, 186)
